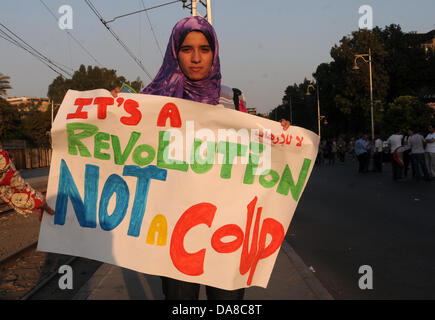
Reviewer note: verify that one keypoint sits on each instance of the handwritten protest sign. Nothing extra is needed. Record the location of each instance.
(171, 187)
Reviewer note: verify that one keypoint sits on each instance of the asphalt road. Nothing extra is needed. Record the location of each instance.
(345, 220)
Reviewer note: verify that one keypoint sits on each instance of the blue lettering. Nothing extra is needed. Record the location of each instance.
(144, 175)
(114, 184)
(86, 211)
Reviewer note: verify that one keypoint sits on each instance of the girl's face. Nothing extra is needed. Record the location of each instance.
(195, 56)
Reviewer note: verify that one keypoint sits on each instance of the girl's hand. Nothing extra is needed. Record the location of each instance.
(285, 124)
(115, 92)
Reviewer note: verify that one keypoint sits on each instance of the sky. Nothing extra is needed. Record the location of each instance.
(264, 45)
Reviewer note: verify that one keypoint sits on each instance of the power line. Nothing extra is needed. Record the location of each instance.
(11, 41)
(33, 49)
(78, 42)
(152, 30)
(138, 62)
(145, 9)
(19, 42)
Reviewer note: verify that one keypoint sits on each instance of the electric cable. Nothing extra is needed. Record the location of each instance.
(69, 33)
(138, 62)
(19, 42)
(152, 30)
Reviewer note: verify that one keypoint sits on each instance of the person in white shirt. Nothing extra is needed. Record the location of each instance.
(430, 151)
(378, 154)
(416, 143)
(395, 141)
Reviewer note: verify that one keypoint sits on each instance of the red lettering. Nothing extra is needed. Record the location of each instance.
(227, 230)
(299, 141)
(170, 111)
(247, 257)
(252, 252)
(283, 139)
(276, 230)
(119, 101)
(79, 114)
(190, 263)
(131, 107)
(102, 103)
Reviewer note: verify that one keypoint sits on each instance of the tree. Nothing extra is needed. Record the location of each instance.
(353, 97)
(24, 122)
(137, 84)
(4, 84)
(88, 79)
(410, 69)
(400, 68)
(36, 124)
(407, 112)
(303, 106)
(10, 127)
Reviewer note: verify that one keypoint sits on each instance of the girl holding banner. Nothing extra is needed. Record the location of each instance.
(190, 70)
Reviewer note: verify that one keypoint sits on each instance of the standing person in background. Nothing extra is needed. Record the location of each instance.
(16, 192)
(341, 147)
(361, 151)
(430, 151)
(395, 141)
(332, 152)
(351, 148)
(416, 143)
(406, 157)
(378, 154)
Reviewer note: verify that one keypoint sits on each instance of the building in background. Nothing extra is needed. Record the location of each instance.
(427, 41)
(44, 102)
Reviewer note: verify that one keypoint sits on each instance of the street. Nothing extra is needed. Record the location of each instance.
(345, 220)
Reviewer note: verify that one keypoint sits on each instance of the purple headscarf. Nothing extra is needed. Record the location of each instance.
(171, 81)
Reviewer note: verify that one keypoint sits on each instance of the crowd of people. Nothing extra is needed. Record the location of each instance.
(414, 148)
(411, 151)
(334, 149)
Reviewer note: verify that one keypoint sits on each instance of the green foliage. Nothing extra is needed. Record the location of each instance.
(30, 123)
(88, 79)
(24, 122)
(10, 121)
(400, 67)
(303, 107)
(36, 125)
(407, 112)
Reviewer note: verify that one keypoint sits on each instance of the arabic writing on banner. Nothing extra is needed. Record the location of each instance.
(171, 187)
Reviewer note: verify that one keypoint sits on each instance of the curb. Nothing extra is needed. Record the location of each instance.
(312, 282)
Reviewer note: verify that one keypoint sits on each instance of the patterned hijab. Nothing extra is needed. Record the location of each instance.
(170, 81)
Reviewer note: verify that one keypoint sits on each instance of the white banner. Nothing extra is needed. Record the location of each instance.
(171, 187)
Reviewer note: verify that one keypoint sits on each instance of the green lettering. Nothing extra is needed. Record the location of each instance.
(269, 183)
(254, 159)
(198, 164)
(121, 157)
(143, 161)
(162, 154)
(287, 182)
(99, 144)
(230, 150)
(74, 140)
